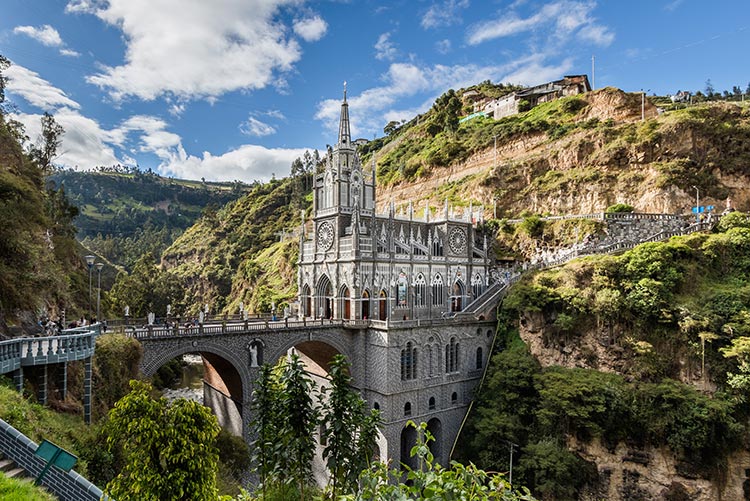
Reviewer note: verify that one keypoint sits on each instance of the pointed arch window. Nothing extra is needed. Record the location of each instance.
(452, 356)
(437, 245)
(477, 285)
(420, 291)
(409, 362)
(479, 358)
(437, 290)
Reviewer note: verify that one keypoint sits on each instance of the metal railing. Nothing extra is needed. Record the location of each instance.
(71, 344)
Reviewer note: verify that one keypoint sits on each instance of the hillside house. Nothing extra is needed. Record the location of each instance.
(510, 104)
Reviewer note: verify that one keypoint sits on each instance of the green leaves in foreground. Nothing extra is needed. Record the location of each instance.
(433, 482)
(168, 449)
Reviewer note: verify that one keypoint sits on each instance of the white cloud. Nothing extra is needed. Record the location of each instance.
(384, 48)
(443, 14)
(46, 35)
(247, 163)
(199, 49)
(36, 90)
(673, 5)
(311, 29)
(375, 107)
(254, 127)
(562, 18)
(84, 143)
(443, 46)
(69, 53)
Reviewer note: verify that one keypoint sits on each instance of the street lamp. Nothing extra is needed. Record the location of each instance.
(99, 267)
(643, 104)
(697, 205)
(90, 263)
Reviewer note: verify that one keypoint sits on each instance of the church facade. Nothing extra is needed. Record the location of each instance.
(409, 275)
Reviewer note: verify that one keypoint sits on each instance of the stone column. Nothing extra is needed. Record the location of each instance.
(42, 392)
(87, 390)
(64, 381)
(18, 379)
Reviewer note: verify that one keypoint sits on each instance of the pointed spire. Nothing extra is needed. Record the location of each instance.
(345, 135)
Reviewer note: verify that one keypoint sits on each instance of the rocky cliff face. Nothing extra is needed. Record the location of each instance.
(610, 157)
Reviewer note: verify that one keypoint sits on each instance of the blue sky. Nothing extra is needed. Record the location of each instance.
(236, 89)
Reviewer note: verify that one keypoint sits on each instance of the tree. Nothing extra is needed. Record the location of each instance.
(709, 89)
(391, 127)
(266, 424)
(300, 419)
(740, 381)
(432, 481)
(45, 151)
(147, 288)
(4, 65)
(350, 432)
(169, 450)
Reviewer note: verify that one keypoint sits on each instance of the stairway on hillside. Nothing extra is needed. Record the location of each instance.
(10, 469)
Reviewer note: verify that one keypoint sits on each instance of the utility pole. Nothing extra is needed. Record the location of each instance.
(510, 470)
(593, 74)
(697, 205)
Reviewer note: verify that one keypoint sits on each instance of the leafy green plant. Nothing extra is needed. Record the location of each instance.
(619, 208)
(169, 450)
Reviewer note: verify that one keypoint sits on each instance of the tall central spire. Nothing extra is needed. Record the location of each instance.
(345, 135)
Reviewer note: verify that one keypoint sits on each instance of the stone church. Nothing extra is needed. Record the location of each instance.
(412, 278)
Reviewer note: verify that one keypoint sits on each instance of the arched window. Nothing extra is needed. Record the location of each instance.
(402, 290)
(479, 357)
(325, 298)
(345, 303)
(451, 356)
(409, 362)
(437, 290)
(407, 409)
(437, 246)
(420, 291)
(306, 301)
(457, 296)
(476, 285)
(376, 406)
(454, 397)
(431, 404)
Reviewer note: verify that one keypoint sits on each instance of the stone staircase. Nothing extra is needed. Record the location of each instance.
(10, 469)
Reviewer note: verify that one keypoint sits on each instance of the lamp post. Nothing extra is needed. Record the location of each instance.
(99, 267)
(90, 263)
(697, 204)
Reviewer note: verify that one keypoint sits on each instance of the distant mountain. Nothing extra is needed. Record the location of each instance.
(127, 213)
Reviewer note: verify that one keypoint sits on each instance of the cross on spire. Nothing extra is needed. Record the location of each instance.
(345, 135)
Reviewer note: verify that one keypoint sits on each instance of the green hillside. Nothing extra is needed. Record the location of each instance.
(639, 348)
(127, 212)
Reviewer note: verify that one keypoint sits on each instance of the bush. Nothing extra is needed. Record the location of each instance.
(619, 208)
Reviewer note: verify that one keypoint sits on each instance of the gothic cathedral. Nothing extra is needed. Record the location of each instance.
(408, 281)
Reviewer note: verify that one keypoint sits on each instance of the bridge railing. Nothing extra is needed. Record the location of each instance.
(72, 344)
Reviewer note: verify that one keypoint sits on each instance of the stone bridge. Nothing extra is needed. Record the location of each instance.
(234, 350)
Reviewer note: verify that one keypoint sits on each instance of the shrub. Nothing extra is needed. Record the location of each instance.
(619, 208)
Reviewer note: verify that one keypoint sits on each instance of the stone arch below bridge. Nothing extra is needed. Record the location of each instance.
(227, 385)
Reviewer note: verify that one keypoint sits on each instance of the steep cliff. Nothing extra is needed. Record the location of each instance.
(581, 154)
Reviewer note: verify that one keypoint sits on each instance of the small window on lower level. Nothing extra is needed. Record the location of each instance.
(454, 397)
(431, 404)
(407, 409)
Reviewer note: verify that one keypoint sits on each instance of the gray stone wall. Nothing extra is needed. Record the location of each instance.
(68, 486)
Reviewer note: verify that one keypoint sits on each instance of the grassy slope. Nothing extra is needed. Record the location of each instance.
(220, 255)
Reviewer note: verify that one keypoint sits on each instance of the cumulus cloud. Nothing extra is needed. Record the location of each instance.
(562, 19)
(201, 49)
(443, 13)
(84, 143)
(254, 127)
(384, 48)
(45, 35)
(311, 29)
(247, 163)
(376, 106)
(35, 90)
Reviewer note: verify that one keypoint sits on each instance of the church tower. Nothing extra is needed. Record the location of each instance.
(342, 185)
